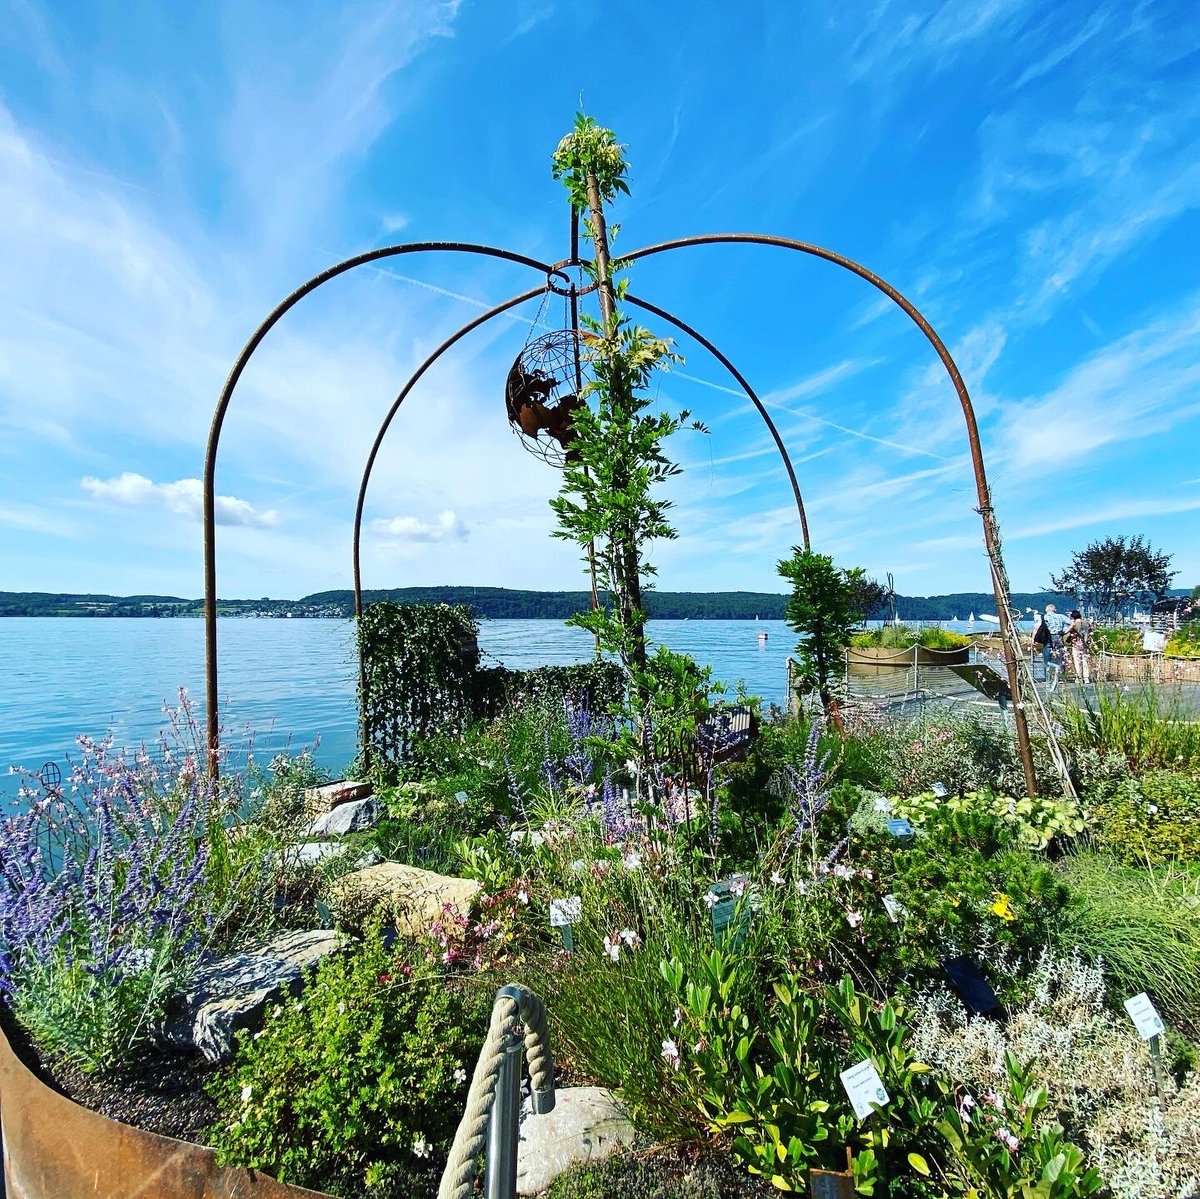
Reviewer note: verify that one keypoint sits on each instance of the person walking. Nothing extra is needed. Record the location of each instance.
(1075, 640)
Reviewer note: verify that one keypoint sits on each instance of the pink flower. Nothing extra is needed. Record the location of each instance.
(1007, 1139)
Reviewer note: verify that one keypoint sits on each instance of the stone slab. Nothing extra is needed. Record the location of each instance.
(322, 799)
(586, 1125)
(351, 817)
(231, 992)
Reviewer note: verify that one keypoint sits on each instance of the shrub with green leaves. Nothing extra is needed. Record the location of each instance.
(356, 1087)
(1036, 821)
(1151, 818)
(1184, 642)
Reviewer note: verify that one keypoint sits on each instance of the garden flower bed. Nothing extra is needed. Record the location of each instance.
(812, 907)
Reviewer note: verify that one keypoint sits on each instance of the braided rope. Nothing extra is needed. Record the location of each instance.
(459, 1174)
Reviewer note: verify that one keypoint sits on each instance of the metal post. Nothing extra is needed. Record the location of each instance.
(504, 1124)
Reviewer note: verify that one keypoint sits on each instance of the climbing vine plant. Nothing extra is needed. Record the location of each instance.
(419, 675)
(611, 493)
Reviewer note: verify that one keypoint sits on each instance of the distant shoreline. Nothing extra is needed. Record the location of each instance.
(494, 603)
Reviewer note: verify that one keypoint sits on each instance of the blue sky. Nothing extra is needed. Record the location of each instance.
(1028, 174)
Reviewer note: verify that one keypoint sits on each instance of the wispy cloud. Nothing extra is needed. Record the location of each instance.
(1106, 515)
(28, 519)
(1139, 386)
(184, 497)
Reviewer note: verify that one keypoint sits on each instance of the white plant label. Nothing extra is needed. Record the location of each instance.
(939, 789)
(461, 796)
(1144, 1015)
(564, 912)
(894, 908)
(864, 1087)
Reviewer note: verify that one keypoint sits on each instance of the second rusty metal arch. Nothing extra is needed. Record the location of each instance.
(499, 310)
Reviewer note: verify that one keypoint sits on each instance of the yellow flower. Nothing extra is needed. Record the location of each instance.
(1002, 906)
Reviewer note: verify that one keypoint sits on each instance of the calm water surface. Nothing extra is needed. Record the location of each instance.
(290, 681)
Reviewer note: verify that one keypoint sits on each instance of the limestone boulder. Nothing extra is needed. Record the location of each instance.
(586, 1125)
(230, 993)
(406, 896)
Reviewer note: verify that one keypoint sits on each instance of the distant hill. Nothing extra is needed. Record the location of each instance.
(500, 603)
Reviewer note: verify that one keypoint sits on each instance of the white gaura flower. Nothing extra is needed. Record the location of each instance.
(421, 1147)
(670, 1051)
(711, 898)
(776, 878)
(632, 860)
(630, 938)
(247, 1093)
(612, 946)
(460, 1076)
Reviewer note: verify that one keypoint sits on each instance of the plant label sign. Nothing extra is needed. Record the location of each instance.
(939, 789)
(900, 828)
(864, 1087)
(564, 912)
(894, 908)
(729, 920)
(1145, 1016)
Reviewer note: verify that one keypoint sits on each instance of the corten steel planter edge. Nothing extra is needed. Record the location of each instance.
(877, 659)
(56, 1149)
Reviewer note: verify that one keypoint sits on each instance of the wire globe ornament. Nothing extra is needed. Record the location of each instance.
(541, 396)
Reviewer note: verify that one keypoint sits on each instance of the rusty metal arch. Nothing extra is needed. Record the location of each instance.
(991, 534)
(751, 395)
(497, 311)
(469, 327)
(212, 724)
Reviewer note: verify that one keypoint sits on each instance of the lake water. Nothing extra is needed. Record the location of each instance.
(290, 681)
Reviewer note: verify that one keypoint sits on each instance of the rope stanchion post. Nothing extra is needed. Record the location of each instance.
(493, 1110)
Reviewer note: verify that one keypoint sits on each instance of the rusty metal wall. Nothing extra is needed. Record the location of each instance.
(55, 1149)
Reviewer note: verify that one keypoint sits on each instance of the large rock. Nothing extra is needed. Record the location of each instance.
(586, 1125)
(350, 817)
(231, 993)
(406, 896)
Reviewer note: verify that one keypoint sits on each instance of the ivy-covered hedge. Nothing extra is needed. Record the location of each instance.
(416, 679)
(421, 676)
(597, 685)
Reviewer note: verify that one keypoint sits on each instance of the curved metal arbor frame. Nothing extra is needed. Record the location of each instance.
(991, 537)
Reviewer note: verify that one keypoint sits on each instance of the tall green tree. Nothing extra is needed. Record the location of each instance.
(825, 605)
(1113, 574)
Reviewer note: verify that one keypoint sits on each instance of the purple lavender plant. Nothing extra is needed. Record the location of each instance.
(104, 895)
(806, 788)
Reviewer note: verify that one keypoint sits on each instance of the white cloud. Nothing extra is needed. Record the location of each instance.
(1138, 386)
(184, 497)
(448, 527)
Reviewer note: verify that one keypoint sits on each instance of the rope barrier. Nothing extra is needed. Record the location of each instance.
(515, 1007)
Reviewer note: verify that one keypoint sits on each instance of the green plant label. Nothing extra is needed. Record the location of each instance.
(900, 829)
(730, 920)
(1144, 1015)
(864, 1088)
